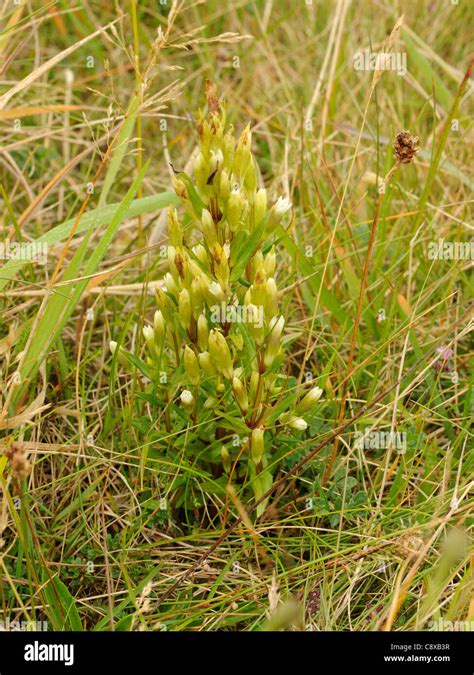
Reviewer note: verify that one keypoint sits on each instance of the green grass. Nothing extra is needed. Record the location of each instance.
(95, 538)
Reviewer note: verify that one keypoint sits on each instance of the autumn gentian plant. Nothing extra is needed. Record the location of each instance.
(214, 352)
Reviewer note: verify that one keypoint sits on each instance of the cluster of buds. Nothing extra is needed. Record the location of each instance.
(218, 324)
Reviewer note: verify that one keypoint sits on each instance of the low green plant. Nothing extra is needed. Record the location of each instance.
(215, 351)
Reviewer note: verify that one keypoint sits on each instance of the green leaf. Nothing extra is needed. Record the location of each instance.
(60, 304)
(315, 284)
(428, 75)
(98, 217)
(194, 198)
(62, 605)
(242, 251)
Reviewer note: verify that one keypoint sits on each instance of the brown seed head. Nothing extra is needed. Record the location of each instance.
(406, 147)
(19, 463)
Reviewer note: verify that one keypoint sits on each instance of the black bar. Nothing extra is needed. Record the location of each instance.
(310, 652)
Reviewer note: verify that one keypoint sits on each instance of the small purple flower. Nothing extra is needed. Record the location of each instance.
(444, 361)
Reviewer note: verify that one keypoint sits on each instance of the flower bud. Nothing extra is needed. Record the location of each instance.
(276, 329)
(310, 399)
(257, 264)
(254, 380)
(293, 422)
(221, 266)
(242, 153)
(197, 296)
(220, 353)
(255, 323)
(180, 189)
(257, 445)
(234, 208)
(216, 161)
(185, 311)
(273, 340)
(201, 171)
(271, 299)
(215, 294)
(159, 326)
(281, 206)
(250, 180)
(195, 267)
(174, 231)
(258, 289)
(165, 305)
(171, 253)
(224, 186)
(298, 423)
(240, 394)
(187, 399)
(278, 210)
(208, 228)
(204, 132)
(200, 253)
(202, 332)
(206, 364)
(171, 285)
(237, 340)
(226, 459)
(270, 263)
(260, 206)
(149, 335)
(229, 148)
(177, 263)
(191, 365)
